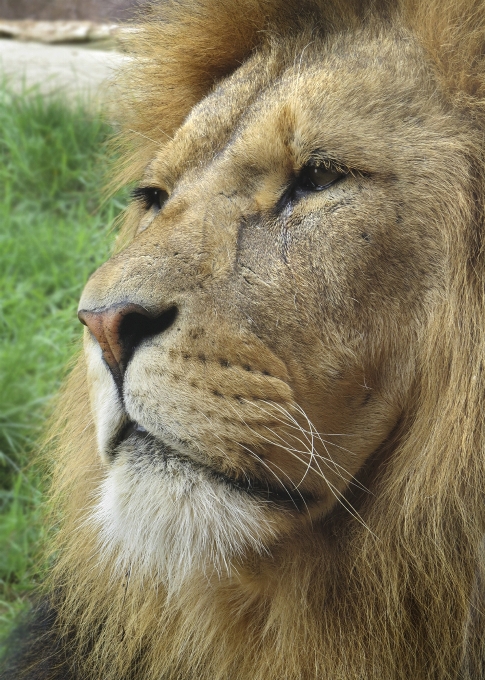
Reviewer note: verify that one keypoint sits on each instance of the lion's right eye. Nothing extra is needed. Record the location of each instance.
(316, 177)
(152, 198)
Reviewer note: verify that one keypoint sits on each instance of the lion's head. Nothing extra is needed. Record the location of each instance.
(282, 470)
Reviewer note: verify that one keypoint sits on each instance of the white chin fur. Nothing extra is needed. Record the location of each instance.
(106, 407)
(165, 523)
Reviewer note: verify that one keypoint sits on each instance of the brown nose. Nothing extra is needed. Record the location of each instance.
(121, 328)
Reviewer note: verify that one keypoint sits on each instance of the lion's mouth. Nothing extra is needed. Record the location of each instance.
(129, 429)
(135, 439)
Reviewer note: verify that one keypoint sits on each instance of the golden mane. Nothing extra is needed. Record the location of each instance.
(397, 595)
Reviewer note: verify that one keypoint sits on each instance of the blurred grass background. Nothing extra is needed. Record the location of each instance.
(54, 231)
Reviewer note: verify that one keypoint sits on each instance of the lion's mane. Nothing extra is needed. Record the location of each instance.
(395, 592)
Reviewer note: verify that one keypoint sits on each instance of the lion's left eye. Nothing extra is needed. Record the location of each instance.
(318, 177)
(152, 198)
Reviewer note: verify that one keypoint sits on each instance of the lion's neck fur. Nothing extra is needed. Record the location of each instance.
(367, 608)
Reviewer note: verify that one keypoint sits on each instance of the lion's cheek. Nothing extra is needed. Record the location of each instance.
(105, 404)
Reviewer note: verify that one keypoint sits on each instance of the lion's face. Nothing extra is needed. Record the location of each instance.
(260, 331)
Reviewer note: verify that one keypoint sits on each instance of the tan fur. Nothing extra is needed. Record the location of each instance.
(287, 323)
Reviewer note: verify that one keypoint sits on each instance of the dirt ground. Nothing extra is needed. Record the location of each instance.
(66, 69)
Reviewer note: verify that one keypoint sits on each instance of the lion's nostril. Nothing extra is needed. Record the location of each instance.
(135, 327)
(121, 328)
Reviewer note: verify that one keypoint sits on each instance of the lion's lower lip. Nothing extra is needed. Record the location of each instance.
(135, 438)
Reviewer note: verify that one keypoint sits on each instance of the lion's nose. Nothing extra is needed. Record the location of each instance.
(121, 328)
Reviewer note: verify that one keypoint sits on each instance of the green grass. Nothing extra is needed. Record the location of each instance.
(53, 234)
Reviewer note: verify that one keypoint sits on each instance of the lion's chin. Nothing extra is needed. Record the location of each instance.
(160, 516)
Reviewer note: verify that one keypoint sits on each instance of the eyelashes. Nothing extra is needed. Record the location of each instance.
(151, 198)
(316, 177)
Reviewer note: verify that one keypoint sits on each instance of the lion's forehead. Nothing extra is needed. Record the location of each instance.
(351, 96)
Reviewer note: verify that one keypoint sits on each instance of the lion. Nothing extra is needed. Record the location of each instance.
(270, 457)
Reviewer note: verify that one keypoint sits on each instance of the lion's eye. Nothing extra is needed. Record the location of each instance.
(318, 177)
(152, 198)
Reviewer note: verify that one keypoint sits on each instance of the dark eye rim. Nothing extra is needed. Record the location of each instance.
(150, 197)
(303, 183)
(297, 190)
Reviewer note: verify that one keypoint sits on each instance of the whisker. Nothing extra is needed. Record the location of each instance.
(137, 132)
(312, 458)
(318, 471)
(347, 477)
(338, 495)
(260, 460)
(312, 451)
(255, 455)
(265, 464)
